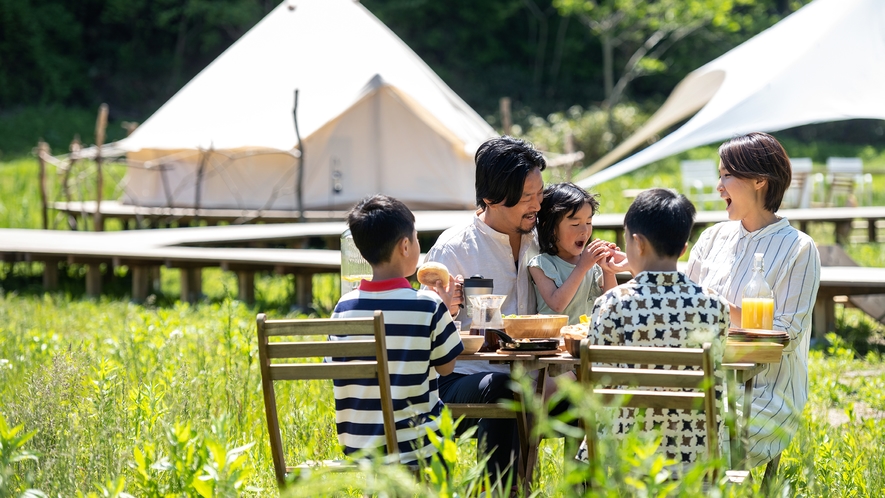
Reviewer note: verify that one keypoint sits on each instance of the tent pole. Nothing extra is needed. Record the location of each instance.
(198, 187)
(299, 192)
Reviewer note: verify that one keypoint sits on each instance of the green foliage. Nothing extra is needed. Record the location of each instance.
(589, 127)
(639, 33)
(120, 399)
(12, 455)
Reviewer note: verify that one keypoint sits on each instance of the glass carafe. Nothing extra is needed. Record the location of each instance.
(353, 266)
(486, 317)
(757, 303)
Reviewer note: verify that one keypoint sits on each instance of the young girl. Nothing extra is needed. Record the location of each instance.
(570, 274)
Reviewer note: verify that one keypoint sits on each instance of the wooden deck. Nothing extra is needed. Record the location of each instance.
(842, 219)
(192, 249)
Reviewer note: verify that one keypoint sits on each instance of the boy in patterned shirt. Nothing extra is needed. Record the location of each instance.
(661, 307)
(422, 342)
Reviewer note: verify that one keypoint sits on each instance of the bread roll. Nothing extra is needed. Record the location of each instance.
(430, 272)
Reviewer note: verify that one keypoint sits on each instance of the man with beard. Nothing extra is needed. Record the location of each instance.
(497, 244)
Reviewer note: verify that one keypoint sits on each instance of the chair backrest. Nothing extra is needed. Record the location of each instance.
(844, 175)
(798, 195)
(699, 174)
(371, 364)
(699, 180)
(845, 165)
(701, 383)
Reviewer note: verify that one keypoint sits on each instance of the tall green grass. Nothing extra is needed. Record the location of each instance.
(160, 400)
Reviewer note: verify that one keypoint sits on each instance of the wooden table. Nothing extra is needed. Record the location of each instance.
(741, 365)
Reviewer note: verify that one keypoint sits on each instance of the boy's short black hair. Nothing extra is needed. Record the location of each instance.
(377, 224)
(663, 217)
(502, 165)
(560, 200)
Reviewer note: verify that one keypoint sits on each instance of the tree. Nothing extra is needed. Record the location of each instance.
(644, 29)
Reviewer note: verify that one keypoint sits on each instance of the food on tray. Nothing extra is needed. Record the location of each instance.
(429, 273)
(577, 331)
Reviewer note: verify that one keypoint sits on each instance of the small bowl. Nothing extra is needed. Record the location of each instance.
(534, 326)
(573, 346)
(471, 343)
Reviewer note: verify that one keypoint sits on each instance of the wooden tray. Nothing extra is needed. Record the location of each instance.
(752, 352)
(549, 352)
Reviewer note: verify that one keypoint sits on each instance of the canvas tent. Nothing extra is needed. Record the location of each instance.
(372, 116)
(825, 62)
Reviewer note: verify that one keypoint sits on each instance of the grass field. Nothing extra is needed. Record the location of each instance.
(109, 398)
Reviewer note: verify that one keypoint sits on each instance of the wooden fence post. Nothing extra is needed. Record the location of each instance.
(66, 179)
(43, 149)
(101, 125)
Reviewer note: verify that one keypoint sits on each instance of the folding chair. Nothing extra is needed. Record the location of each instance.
(372, 364)
(701, 384)
(845, 178)
(699, 181)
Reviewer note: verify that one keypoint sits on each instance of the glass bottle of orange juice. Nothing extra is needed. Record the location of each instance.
(757, 303)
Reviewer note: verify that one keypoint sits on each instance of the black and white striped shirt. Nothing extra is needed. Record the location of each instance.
(722, 260)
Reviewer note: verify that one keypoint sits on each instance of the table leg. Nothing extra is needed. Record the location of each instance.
(745, 425)
(731, 420)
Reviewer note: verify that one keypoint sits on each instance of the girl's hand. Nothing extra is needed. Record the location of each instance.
(616, 263)
(595, 252)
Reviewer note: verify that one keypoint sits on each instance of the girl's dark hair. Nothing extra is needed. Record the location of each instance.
(502, 165)
(757, 156)
(378, 223)
(560, 200)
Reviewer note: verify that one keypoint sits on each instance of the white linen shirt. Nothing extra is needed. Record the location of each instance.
(477, 249)
(722, 260)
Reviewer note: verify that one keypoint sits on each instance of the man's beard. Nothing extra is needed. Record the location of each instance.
(523, 231)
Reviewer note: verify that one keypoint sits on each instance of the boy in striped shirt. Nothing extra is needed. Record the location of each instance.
(422, 342)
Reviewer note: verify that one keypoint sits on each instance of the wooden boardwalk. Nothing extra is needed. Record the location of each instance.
(192, 249)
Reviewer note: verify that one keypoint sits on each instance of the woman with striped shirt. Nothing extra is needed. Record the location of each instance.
(754, 173)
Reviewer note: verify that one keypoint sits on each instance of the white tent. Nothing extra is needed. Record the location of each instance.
(825, 62)
(372, 116)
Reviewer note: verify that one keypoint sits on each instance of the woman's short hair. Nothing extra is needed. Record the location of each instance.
(560, 200)
(502, 165)
(756, 156)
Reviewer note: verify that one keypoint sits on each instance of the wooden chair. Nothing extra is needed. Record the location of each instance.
(845, 178)
(271, 354)
(798, 195)
(699, 181)
(701, 383)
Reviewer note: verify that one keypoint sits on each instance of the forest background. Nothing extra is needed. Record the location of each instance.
(59, 60)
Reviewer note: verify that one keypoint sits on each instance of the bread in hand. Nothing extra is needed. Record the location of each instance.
(431, 272)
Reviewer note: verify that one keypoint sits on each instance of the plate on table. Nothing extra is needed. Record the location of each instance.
(756, 335)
